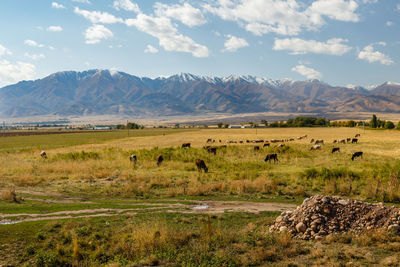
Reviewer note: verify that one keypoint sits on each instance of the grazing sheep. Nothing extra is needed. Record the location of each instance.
(212, 150)
(133, 158)
(43, 154)
(186, 145)
(357, 135)
(271, 156)
(335, 149)
(312, 140)
(256, 148)
(280, 145)
(343, 141)
(319, 141)
(209, 140)
(201, 165)
(160, 159)
(315, 147)
(354, 140)
(356, 155)
(348, 140)
(267, 144)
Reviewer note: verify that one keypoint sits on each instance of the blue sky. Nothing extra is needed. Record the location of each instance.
(341, 42)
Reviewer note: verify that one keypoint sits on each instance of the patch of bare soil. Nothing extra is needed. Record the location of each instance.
(202, 207)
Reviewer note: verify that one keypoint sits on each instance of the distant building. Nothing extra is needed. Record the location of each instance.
(102, 128)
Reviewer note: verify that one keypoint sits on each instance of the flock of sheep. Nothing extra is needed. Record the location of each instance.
(201, 165)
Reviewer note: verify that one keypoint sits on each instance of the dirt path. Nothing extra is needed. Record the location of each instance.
(202, 207)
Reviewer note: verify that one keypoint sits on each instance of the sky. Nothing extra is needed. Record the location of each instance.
(340, 42)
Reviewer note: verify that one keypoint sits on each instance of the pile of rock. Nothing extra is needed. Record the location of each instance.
(321, 215)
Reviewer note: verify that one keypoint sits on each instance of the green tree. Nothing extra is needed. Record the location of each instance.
(220, 124)
(226, 125)
(389, 125)
(374, 121)
(264, 122)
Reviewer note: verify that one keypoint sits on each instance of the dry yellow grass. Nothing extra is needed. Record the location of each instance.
(237, 171)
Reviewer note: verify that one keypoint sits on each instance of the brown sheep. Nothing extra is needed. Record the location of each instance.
(160, 159)
(356, 155)
(201, 165)
(271, 156)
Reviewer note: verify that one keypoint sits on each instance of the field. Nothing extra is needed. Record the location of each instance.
(88, 205)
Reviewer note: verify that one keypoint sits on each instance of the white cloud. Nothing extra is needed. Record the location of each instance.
(335, 9)
(398, 7)
(82, 1)
(96, 33)
(54, 29)
(15, 72)
(308, 72)
(234, 43)
(97, 16)
(372, 56)
(4, 51)
(333, 46)
(370, 1)
(167, 34)
(33, 43)
(389, 23)
(284, 17)
(57, 5)
(34, 56)
(126, 5)
(151, 49)
(185, 13)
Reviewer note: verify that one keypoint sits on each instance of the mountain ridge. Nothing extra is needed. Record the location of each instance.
(109, 92)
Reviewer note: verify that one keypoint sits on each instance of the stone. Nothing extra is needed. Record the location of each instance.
(301, 227)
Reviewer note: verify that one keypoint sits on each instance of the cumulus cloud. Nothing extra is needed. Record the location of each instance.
(185, 13)
(284, 17)
(234, 43)
(57, 5)
(334, 9)
(126, 5)
(151, 49)
(389, 23)
(97, 16)
(15, 72)
(32, 43)
(96, 33)
(54, 29)
(4, 51)
(398, 7)
(370, 55)
(167, 34)
(333, 46)
(370, 1)
(310, 73)
(34, 56)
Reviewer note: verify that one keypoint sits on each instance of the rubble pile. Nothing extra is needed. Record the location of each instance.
(320, 215)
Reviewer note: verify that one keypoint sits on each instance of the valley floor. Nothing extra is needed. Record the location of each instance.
(88, 205)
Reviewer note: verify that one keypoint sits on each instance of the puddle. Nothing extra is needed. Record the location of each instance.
(9, 222)
(202, 206)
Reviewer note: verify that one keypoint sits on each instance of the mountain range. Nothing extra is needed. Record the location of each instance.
(105, 92)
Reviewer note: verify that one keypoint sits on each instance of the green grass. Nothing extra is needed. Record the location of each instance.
(31, 142)
(235, 239)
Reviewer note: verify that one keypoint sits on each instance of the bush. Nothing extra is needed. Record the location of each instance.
(79, 155)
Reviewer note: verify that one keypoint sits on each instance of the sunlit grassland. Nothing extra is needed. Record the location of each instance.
(37, 142)
(104, 169)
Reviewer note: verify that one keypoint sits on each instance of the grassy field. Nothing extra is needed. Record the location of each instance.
(141, 214)
(35, 142)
